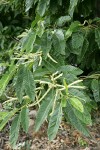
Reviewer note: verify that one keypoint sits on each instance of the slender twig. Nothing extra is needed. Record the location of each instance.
(75, 82)
(14, 99)
(31, 105)
(52, 58)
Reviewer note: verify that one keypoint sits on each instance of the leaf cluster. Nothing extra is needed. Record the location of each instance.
(52, 64)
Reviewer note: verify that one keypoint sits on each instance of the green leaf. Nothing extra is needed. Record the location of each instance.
(68, 33)
(85, 116)
(70, 73)
(46, 43)
(14, 131)
(83, 51)
(44, 110)
(6, 78)
(73, 28)
(29, 84)
(19, 86)
(42, 7)
(63, 102)
(54, 122)
(79, 94)
(96, 19)
(28, 4)
(97, 36)
(72, 7)
(62, 20)
(28, 41)
(60, 2)
(3, 114)
(77, 43)
(69, 69)
(25, 118)
(70, 114)
(40, 28)
(76, 103)
(25, 82)
(96, 89)
(59, 42)
(37, 18)
(40, 72)
(7, 118)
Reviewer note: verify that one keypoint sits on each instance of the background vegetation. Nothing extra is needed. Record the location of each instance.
(49, 61)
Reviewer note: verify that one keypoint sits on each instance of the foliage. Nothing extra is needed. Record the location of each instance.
(54, 64)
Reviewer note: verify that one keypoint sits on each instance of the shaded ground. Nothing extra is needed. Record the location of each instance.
(67, 139)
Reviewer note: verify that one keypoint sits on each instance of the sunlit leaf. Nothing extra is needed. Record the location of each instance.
(76, 103)
(63, 102)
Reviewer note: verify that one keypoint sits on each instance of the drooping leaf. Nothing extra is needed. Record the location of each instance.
(14, 131)
(44, 110)
(96, 89)
(29, 84)
(25, 118)
(85, 116)
(40, 28)
(19, 87)
(59, 42)
(6, 78)
(97, 36)
(76, 103)
(42, 7)
(72, 7)
(54, 122)
(7, 118)
(46, 43)
(28, 41)
(69, 114)
(28, 4)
